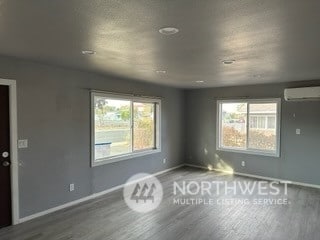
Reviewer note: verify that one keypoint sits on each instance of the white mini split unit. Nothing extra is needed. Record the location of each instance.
(302, 94)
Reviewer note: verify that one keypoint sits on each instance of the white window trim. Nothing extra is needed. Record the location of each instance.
(133, 154)
(246, 150)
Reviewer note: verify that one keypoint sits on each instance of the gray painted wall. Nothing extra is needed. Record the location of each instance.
(54, 115)
(300, 154)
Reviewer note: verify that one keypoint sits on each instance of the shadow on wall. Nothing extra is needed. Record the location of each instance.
(218, 164)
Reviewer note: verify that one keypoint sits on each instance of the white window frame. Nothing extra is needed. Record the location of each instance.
(134, 153)
(248, 150)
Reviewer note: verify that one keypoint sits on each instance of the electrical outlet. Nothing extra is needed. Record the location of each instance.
(243, 163)
(71, 187)
(23, 143)
(164, 160)
(298, 131)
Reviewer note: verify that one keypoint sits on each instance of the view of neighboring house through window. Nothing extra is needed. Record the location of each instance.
(263, 135)
(123, 126)
(249, 126)
(233, 125)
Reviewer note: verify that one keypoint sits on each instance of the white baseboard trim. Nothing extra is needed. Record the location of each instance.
(90, 197)
(99, 194)
(195, 166)
(257, 176)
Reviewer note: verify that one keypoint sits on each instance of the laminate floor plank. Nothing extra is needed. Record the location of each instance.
(108, 217)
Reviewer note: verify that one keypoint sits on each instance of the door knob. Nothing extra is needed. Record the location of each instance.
(5, 164)
(5, 154)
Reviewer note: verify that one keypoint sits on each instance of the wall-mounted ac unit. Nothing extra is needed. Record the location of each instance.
(302, 94)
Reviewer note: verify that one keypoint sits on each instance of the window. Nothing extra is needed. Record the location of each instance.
(250, 126)
(123, 127)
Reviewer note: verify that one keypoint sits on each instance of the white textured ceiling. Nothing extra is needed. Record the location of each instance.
(271, 40)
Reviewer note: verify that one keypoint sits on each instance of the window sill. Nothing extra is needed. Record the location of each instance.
(251, 152)
(123, 157)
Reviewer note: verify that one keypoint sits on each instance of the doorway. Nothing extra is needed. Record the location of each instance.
(5, 162)
(9, 187)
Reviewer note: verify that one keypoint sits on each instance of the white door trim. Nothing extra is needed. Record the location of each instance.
(13, 148)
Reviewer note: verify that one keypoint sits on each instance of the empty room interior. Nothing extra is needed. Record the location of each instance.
(158, 119)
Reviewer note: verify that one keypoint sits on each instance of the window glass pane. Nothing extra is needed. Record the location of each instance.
(112, 127)
(261, 122)
(233, 125)
(253, 121)
(271, 122)
(143, 126)
(262, 136)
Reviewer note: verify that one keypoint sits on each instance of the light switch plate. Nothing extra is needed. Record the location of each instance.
(298, 131)
(23, 143)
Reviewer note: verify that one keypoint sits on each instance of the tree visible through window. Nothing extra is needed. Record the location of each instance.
(250, 126)
(144, 125)
(123, 125)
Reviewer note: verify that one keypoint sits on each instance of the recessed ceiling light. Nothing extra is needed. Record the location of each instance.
(161, 71)
(168, 30)
(228, 61)
(199, 81)
(88, 52)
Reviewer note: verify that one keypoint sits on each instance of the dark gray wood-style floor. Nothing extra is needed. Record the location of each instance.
(108, 217)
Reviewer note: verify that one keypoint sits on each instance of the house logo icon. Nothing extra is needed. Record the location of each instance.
(143, 192)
